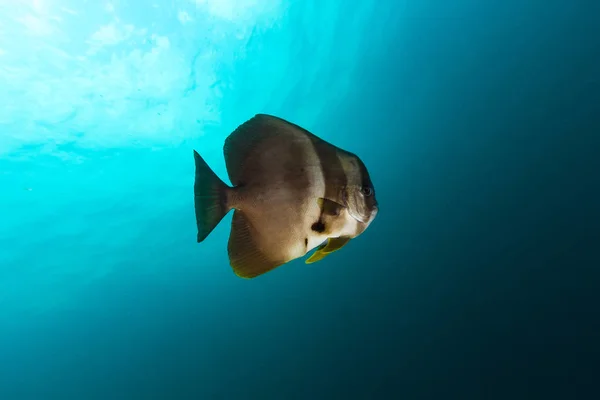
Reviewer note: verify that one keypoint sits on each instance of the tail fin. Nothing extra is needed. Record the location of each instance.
(210, 198)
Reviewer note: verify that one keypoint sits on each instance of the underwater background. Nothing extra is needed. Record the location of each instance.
(477, 120)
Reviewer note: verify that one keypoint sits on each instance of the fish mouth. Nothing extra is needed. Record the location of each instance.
(374, 213)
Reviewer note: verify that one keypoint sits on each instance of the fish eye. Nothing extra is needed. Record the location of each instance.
(366, 190)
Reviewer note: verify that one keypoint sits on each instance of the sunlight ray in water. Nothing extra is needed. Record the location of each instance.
(114, 87)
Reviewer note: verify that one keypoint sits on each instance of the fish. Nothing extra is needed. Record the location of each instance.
(291, 191)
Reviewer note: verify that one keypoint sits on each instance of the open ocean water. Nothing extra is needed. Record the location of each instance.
(478, 122)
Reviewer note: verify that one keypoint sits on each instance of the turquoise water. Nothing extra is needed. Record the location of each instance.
(477, 121)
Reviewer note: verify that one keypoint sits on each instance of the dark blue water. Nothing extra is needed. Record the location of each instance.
(478, 121)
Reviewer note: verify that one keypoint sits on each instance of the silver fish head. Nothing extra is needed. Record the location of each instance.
(361, 203)
(359, 193)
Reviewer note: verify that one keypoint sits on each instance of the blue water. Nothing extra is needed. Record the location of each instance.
(478, 122)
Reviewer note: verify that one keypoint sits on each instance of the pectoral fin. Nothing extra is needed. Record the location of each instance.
(330, 207)
(333, 244)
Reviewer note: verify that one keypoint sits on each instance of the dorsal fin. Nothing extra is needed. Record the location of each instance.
(243, 142)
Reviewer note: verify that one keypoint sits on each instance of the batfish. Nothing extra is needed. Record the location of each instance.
(292, 192)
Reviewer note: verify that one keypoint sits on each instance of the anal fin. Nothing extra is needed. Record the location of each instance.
(246, 259)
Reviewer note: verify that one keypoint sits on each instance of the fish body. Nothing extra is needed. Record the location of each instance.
(292, 192)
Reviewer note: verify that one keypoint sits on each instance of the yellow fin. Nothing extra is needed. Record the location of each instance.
(333, 244)
(316, 256)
